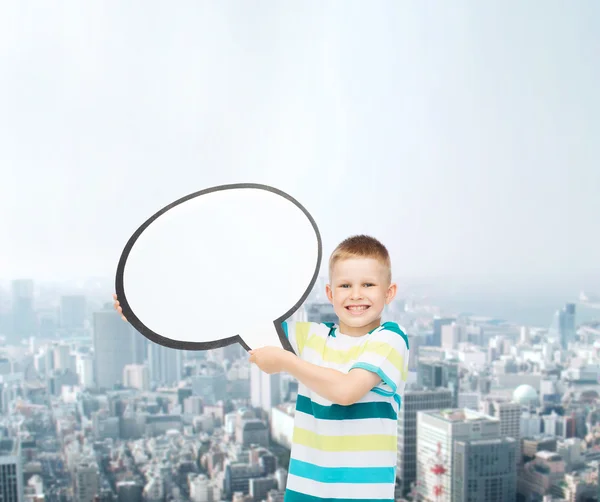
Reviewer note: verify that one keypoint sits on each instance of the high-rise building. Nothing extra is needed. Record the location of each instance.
(452, 335)
(87, 482)
(11, 471)
(414, 401)
(433, 374)
(136, 376)
(437, 434)
(72, 312)
(485, 469)
(84, 364)
(114, 347)
(509, 414)
(265, 389)
(165, 364)
(563, 326)
(23, 313)
(438, 322)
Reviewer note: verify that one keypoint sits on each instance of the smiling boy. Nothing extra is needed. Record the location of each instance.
(351, 380)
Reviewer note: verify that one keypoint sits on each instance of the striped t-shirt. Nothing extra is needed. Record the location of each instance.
(342, 453)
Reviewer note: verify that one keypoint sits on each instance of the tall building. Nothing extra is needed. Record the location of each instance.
(485, 469)
(114, 347)
(414, 401)
(87, 482)
(433, 374)
(85, 370)
(563, 325)
(11, 471)
(438, 322)
(452, 335)
(136, 376)
(509, 414)
(23, 313)
(265, 389)
(72, 312)
(439, 464)
(165, 364)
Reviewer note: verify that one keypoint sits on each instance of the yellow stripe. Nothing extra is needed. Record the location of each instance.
(368, 442)
(301, 335)
(318, 344)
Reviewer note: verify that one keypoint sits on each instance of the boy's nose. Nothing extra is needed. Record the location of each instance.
(356, 294)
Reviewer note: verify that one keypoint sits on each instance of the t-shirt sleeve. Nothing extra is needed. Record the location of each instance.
(386, 354)
(297, 334)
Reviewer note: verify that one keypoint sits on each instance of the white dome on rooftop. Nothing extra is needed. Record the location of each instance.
(525, 395)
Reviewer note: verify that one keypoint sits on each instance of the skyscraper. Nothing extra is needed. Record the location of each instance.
(165, 364)
(72, 312)
(23, 314)
(485, 469)
(414, 401)
(433, 374)
(563, 325)
(11, 471)
(86, 482)
(509, 414)
(440, 468)
(114, 347)
(438, 322)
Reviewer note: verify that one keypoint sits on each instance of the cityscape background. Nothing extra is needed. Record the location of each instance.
(464, 137)
(90, 410)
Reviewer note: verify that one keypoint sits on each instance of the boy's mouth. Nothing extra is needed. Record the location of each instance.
(357, 309)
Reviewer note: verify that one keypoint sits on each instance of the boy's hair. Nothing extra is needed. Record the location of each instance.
(361, 246)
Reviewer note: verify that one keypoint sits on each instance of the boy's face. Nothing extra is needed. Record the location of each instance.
(359, 291)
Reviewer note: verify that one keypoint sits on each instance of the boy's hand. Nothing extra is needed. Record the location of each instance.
(118, 307)
(270, 359)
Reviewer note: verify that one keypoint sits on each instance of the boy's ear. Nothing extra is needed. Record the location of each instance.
(329, 293)
(391, 293)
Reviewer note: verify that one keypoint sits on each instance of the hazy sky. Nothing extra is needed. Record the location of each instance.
(465, 136)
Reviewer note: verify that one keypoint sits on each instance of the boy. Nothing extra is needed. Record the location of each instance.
(351, 378)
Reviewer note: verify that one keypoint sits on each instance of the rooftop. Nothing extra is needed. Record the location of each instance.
(462, 415)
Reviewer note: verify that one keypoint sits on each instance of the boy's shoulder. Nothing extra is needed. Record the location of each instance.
(392, 327)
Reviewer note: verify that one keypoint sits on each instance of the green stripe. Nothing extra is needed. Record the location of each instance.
(292, 496)
(352, 412)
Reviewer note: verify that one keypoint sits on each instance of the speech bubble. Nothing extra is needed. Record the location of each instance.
(220, 266)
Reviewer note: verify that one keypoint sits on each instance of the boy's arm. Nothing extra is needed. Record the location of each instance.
(339, 388)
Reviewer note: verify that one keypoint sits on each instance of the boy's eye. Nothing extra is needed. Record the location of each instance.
(368, 285)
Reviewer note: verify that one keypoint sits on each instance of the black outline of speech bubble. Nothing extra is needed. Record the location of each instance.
(174, 344)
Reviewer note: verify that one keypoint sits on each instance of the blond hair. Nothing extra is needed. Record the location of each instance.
(361, 246)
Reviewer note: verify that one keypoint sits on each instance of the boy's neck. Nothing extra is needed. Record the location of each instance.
(359, 331)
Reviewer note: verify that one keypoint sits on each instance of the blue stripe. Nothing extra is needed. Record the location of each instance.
(360, 475)
(292, 496)
(382, 392)
(379, 372)
(354, 411)
(285, 329)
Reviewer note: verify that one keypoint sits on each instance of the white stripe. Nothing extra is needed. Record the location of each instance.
(358, 427)
(343, 459)
(340, 490)
(370, 397)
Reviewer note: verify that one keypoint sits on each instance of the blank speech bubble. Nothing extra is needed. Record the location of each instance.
(223, 265)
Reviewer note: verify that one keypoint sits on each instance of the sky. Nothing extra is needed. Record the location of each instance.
(465, 137)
